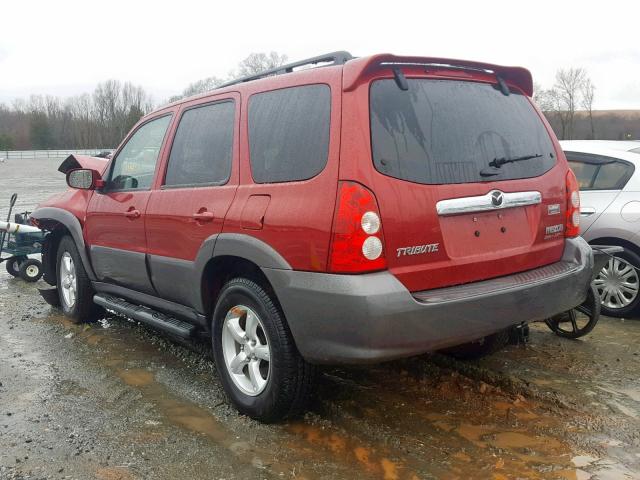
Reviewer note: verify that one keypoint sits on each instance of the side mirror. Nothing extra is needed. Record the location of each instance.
(84, 179)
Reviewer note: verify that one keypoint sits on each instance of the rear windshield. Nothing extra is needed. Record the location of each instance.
(446, 131)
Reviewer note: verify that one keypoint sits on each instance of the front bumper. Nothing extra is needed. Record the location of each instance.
(371, 318)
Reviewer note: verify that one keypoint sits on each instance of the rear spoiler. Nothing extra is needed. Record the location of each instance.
(356, 68)
(83, 161)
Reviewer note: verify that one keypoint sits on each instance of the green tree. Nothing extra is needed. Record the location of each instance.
(6, 142)
(41, 136)
(135, 113)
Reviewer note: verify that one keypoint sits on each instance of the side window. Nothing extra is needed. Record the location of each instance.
(597, 172)
(289, 133)
(612, 176)
(135, 165)
(203, 146)
(584, 173)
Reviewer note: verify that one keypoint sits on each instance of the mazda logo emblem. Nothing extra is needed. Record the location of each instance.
(496, 198)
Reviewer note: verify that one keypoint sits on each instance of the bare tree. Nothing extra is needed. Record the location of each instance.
(588, 93)
(548, 100)
(545, 99)
(259, 62)
(569, 85)
(253, 64)
(117, 107)
(102, 118)
(201, 86)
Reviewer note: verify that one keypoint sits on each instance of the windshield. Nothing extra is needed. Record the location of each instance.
(446, 131)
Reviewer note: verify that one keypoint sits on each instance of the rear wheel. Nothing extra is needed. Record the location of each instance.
(13, 265)
(618, 284)
(74, 286)
(259, 365)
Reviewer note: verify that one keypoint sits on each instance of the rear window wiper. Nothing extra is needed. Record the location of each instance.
(494, 165)
(498, 162)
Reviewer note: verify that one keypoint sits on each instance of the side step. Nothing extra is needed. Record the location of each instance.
(145, 315)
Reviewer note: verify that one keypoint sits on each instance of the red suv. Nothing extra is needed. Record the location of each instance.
(363, 210)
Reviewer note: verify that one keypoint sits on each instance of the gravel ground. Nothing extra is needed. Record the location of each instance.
(116, 400)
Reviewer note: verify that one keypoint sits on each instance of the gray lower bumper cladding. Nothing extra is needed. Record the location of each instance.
(373, 317)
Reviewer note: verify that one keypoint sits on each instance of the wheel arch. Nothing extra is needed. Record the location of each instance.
(620, 242)
(228, 255)
(220, 269)
(59, 223)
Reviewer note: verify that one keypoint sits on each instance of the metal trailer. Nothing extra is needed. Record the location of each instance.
(18, 240)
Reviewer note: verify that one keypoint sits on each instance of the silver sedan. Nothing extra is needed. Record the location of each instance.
(609, 176)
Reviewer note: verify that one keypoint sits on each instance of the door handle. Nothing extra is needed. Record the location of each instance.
(587, 211)
(132, 213)
(203, 216)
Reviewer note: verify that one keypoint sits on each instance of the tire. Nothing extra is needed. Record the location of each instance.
(79, 308)
(285, 381)
(590, 308)
(480, 348)
(13, 265)
(605, 283)
(31, 270)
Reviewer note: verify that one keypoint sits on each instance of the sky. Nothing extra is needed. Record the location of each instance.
(65, 47)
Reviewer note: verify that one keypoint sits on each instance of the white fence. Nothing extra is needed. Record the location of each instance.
(30, 154)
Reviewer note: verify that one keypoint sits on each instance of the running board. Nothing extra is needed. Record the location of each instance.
(145, 315)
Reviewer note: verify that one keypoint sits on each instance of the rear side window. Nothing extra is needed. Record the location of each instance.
(203, 146)
(446, 131)
(597, 172)
(585, 173)
(289, 133)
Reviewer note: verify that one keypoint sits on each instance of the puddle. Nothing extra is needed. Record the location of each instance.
(116, 473)
(468, 434)
(136, 377)
(423, 425)
(371, 460)
(125, 360)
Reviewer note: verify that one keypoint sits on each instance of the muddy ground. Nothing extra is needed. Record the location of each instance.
(116, 400)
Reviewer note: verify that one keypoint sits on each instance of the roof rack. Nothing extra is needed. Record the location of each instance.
(333, 58)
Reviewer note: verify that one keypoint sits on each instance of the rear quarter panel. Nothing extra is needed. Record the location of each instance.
(620, 219)
(298, 216)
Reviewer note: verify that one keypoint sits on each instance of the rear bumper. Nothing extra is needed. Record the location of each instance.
(373, 317)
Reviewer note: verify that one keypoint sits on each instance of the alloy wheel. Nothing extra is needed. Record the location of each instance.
(68, 282)
(246, 351)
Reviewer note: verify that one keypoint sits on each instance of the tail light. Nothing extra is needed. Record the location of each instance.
(357, 245)
(572, 215)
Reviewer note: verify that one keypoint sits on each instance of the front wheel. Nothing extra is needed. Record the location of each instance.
(74, 286)
(31, 270)
(256, 357)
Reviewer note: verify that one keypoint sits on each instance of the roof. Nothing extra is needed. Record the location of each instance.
(621, 145)
(608, 148)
